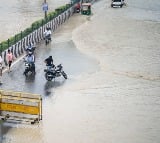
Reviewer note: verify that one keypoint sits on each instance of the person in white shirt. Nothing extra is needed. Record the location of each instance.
(47, 33)
(31, 60)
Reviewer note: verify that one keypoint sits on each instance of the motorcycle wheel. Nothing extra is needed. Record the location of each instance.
(25, 73)
(48, 78)
(33, 72)
(64, 75)
(46, 41)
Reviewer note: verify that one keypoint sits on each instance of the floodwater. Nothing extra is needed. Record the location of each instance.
(115, 96)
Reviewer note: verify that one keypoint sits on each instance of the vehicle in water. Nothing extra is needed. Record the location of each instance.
(54, 71)
(29, 69)
(30, 49)
(86, 8)
(77, 8)
(47, 35)
(47, 39)
(117, 3)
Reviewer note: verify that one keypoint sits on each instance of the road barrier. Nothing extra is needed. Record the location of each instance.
(20, 106)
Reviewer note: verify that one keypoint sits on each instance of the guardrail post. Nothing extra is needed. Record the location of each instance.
(19, 45)
(5, 60)
(21, 42)
(15, 50)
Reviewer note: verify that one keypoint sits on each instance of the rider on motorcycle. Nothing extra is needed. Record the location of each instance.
(49, 62)
(31, 60)
(30, 48)
(47, 33)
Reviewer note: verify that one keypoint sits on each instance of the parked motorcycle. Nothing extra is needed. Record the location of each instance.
(53, 72)
(29, 69)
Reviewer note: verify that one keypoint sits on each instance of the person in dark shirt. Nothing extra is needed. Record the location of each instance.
(49, 62)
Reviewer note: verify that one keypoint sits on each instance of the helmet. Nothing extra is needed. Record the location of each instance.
(29, 53)
(50, 57)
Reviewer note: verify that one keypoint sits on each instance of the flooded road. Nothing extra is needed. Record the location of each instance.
(74, 63)
(112, 93)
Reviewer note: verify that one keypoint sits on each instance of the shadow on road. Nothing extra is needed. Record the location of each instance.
(30, 78)
(50, 85)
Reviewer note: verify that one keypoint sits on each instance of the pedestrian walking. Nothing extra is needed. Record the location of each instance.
(1, 67)
(10, 59)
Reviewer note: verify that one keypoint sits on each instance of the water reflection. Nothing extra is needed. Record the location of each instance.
(49, 85)
(30, 78)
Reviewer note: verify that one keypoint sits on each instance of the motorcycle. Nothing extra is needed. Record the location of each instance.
(29, 69)
(77, 8)
(54, 71)
(30, 50)
(47, 39)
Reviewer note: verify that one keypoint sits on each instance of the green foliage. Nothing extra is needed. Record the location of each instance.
(36, 25)
(4, 44)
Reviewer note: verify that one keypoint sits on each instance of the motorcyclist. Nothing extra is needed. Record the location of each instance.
(47, 33)
(77, 7)
(49, 62)
(30, 48)
(31, 60)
